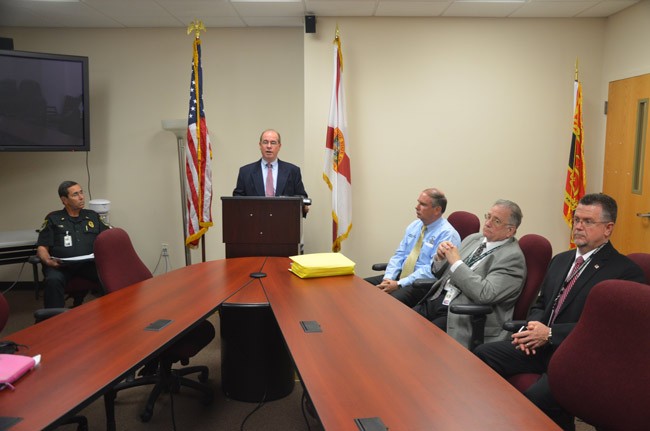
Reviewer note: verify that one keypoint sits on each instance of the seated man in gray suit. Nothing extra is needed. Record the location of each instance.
(489, 268)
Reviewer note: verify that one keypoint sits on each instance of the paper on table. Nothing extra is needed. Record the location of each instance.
(321, 265)
(85, 257)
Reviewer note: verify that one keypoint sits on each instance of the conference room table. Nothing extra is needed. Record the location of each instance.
(374, 357)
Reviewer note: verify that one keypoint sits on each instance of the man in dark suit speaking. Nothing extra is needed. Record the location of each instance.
(568, 281)
(270, 176)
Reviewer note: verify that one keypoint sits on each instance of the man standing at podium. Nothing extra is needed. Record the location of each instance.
(270, 176)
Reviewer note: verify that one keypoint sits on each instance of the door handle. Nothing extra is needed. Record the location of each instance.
(643, 214)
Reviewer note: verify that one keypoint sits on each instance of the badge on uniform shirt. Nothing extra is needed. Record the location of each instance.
(91, 224)
(67, 240)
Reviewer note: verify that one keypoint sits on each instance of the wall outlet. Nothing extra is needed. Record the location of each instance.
(165, 249)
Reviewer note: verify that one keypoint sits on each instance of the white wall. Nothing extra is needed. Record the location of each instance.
(480, 108)
(253, 80)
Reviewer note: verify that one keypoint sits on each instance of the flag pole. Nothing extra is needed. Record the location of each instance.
(576, 77)
(197, 26)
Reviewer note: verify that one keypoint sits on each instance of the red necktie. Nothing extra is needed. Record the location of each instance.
(269, 180)
(571, 281)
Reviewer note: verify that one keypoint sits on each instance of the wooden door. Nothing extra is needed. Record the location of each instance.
(626, 174)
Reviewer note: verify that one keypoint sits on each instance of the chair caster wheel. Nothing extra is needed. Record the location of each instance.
(207, 399)
(145, 416)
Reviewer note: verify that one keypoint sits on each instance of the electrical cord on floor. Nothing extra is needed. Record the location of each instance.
(22, 267)
(257, 407)
(302, 407)
(171, 402)
(90, 195)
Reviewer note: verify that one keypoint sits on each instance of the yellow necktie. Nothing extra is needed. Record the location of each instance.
(411, 260)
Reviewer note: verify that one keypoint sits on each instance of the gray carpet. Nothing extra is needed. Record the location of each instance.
(190, 413)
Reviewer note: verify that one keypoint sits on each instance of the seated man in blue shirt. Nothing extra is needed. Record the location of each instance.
(413, 257)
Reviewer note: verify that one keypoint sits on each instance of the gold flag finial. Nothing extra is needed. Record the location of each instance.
(336, 33)
(197, 27)
(576, 68)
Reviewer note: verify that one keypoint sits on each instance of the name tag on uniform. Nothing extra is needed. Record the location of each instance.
(452, 292)
(67, 240)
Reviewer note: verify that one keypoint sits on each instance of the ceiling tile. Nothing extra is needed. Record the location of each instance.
(411, 8)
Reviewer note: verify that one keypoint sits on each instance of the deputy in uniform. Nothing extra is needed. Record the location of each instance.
(66, 233)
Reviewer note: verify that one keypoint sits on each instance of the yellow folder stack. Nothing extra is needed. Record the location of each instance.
(321, 265)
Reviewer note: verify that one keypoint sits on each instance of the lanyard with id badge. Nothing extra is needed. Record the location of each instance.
(453, 291)
(67, 239)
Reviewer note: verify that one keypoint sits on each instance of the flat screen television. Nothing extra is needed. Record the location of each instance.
(43, 102)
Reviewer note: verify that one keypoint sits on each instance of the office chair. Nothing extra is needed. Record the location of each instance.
(4, 311)
(523, 381)
(600, 371)
(643, 260)
(119, 266)
(77, 287)
(464, 222)
(537, 252)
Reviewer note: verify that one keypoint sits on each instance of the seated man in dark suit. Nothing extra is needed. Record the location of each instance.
(66, 233)
(564, 290)
(270, 176)
(488, 268)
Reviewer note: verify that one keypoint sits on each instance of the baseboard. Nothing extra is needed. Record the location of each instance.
(21, 285)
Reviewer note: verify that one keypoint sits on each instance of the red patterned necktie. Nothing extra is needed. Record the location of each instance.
(269, 180)
(571, 281)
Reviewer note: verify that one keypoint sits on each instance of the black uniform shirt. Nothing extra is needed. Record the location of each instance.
(83, 230)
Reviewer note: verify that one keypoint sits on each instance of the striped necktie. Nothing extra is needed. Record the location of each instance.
(270, 191)
(575, 273)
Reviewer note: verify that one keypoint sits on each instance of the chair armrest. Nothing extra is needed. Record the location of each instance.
(34, 260)
(46, 313)
(379, 266)
(514, 325)
(423, 283)
(471, 309)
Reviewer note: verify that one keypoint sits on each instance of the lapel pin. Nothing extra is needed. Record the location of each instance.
(596, 266)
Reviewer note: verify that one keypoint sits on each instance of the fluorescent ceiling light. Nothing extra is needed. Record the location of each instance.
(52, 1)
(265, 1)
(490, 1)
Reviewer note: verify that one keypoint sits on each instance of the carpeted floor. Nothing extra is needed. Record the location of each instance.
(189, 413)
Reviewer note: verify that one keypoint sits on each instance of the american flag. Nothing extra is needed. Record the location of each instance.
(198, 158)
(337, 173)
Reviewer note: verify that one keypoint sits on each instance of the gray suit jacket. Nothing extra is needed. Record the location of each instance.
(496, 280)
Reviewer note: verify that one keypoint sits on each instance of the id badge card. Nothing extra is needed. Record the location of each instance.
(67, 240)
(452, 292)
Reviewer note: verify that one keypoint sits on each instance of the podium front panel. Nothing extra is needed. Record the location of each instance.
(261, 226)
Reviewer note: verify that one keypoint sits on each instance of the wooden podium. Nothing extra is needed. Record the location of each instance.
(261, 226)
(255, 364)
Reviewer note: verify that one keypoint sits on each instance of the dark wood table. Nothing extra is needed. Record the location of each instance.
(90, 348)
(373, 358)
(377, 358)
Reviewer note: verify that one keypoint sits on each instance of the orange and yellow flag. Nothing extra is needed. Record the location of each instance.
(576, 179)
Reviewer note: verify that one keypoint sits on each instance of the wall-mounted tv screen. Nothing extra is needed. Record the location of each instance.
(43, 102)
